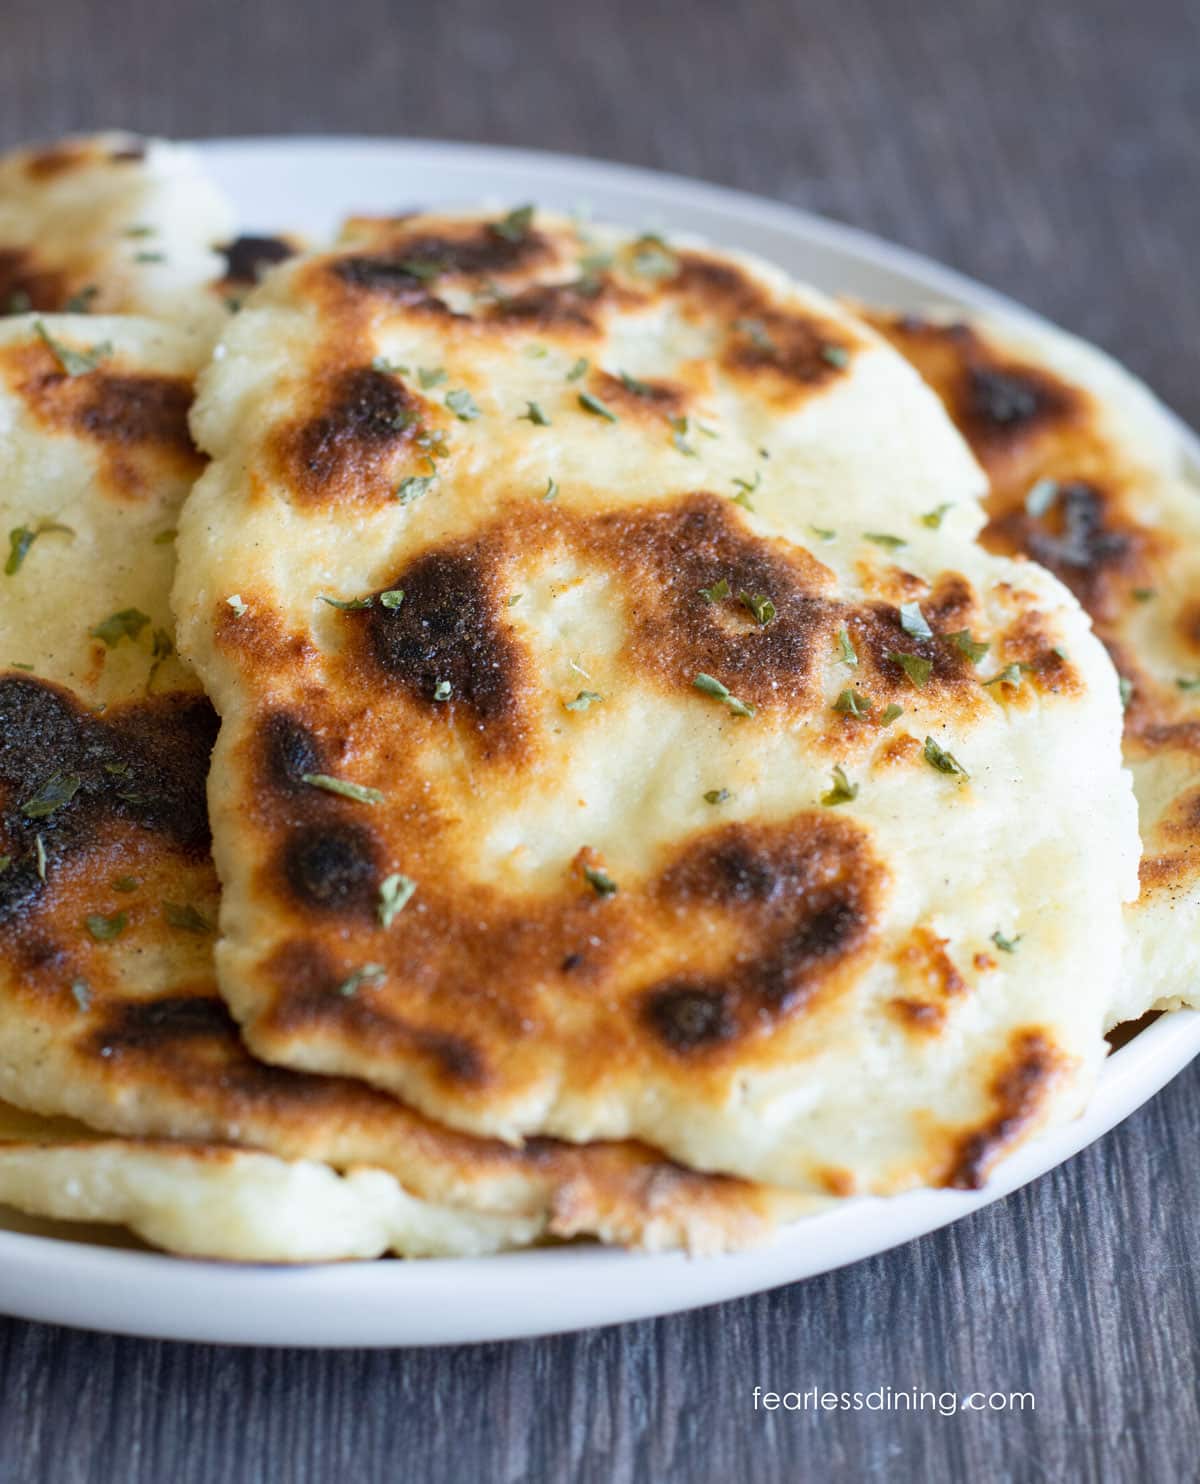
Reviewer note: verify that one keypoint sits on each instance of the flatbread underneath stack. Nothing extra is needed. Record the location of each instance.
(1089, 477)
(112, 224)
(569, 589)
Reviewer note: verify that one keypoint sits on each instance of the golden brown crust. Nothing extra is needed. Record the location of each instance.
(1025, 1075)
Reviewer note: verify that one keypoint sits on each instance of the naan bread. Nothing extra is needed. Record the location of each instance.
(108, 1007)
(1088, 477)
(525, 814)
(109, 223)
(218, 1201)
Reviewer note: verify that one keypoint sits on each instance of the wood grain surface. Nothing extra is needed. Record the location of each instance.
(1052, 150)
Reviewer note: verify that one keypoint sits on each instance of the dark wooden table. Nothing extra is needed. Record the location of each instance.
(1052, 150)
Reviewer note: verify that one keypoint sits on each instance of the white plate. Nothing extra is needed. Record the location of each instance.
(309, 184)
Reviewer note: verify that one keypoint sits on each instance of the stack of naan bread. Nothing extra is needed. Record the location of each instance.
(512, 729)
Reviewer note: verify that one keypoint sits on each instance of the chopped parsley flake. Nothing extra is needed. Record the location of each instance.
(934, 518)
(974, 649)
(652, 258)
(600, 881)
(1188, 682)
(842, 792)
(580, 368)
(40, 851)
(357, 791)
(713, 687)
(73, 362)
(1125, 687)
(430, 376)
(853, 703)
(596, 407)
(127, 624)
(105, 929)
(717, 796)
(717, 592)
(534, 414)
(413, 487)
(390, 368)
(759, 605)
(945, 762)
(881, 538)
(150, 257)
(1010, 675)
(462, 405)
(583, 700)
(81, 303)
(823, 534)
(891, 713)
(847, 654)
(1144, 594)
(368, 974)
(745, 488)
(348, 605)
(420, 268)
(235, 602)
(638, 388)
(392, 598)
(515, 599)
(915, 666)
(912, 621)
(21, 538)
(186, 918)
(679, 427)
(1040, 497)
(756, 332)
(835, 355)
(1006, 945)
(515, 226)
(441, 691)
(57, 790)
(125, 883)
(395, 893)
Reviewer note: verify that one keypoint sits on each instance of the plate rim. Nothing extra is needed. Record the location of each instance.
(444, 1301)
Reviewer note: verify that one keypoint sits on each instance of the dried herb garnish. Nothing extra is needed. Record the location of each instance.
(463, 405)
(974, 649)
(105, 929)
(759, 605)
(395, 893)
(368, 974)
(912, 621)
(356, 791)
(127, 624)
(583, 700)
(945, 762)
(600, 881)
(596, 407)
(515, 226)
(853, 703)
(186, 918)
(73, 362)
(842, 792)
(915, 666)
(57, 790)
(713, 687)
(21, 538)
